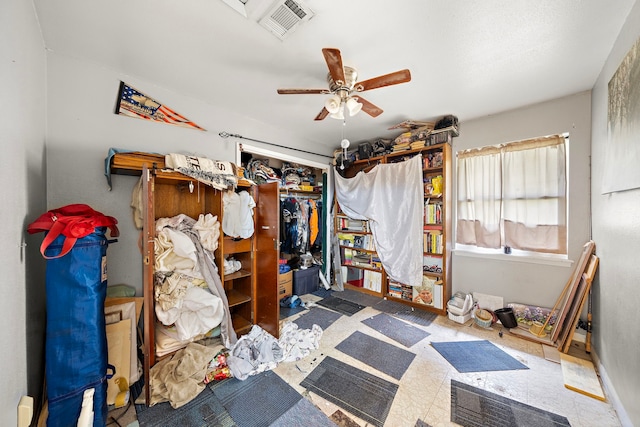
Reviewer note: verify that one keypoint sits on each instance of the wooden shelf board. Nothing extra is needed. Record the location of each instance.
(363, 267)
(237, 275)
(237, 298)
(240, 324)
(369, 251)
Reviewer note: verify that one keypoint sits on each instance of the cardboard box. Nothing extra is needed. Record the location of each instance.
(285, 285)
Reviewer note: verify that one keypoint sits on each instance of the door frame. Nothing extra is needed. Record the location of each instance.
(326, 168)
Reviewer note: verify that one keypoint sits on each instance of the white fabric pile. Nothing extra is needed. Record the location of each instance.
(188, 290)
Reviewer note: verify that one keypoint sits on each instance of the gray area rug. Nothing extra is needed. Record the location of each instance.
(257, 401)
(395, 329)
(340, 305)
(393, 361)
(362, 394)
(477, 356)
(357, 297)
(474, 407)
(406, 312)
(205, 410)
(288, 312)
(317, 316)
(322, 293)
(303, 413)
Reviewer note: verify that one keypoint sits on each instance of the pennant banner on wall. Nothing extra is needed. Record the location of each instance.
(133, 103)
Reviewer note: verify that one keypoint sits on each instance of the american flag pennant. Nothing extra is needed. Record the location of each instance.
(133, 103)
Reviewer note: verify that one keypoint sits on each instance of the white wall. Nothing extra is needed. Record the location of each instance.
(616, 231)
(83, 126)
(22, 173)
(527, 283)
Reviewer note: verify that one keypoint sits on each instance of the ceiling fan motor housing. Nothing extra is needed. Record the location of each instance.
(350, 77)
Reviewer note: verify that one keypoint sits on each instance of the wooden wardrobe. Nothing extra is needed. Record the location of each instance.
(252, 292)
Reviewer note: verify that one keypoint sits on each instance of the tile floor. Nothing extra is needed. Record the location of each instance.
(424, 390)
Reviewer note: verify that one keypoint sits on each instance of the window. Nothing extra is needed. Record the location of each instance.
(513, 196)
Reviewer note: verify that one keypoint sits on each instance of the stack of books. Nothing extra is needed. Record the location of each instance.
(402, 147)
(417, 144)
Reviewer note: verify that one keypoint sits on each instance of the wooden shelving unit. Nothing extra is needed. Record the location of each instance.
(436, 163)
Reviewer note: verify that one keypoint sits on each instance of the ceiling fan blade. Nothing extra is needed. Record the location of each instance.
(398, 77)
(368, 107)
(334, 62)
(302, 91)
(322, 114)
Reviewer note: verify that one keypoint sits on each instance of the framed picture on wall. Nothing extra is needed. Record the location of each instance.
(622, 171)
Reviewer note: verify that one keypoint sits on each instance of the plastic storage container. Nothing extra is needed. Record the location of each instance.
(306, 280)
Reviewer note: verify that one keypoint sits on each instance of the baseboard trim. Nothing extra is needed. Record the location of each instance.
(610, 392)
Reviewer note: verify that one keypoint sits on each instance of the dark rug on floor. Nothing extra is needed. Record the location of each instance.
(303, 413)
(474, 407)
(317, 316)
(357, 392)
(421, 423)
(380, 355)
(257, 401)
(322, 293)
(395, 329)
(340, 305)
(477, 356)
(357, 297)
(288, 312)
(406, 312)
(204, 410)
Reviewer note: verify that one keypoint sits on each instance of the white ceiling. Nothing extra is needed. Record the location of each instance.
(467, 58)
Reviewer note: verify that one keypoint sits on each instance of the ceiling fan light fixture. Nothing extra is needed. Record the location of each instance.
(338, 114)
(353, 106)
(333, 104)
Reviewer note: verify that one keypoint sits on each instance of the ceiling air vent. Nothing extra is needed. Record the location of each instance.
(285, 16)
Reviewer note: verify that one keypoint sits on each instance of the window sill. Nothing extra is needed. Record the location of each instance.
(515, 258)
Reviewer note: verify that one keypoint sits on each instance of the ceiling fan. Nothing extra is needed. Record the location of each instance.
(345, 89)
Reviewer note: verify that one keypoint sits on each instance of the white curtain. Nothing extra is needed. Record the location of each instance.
(391, 198)
(514, 195)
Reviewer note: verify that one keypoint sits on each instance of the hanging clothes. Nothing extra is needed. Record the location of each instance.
(237, 220)
(313, 222)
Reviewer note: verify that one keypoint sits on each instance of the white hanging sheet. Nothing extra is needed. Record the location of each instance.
(391, 198)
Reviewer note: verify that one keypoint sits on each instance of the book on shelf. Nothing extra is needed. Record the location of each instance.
(348, 224)
(346, 239)
(373, 280)
(347, 256)
(432, 242)
(432, 213)
(431, 264)
(437, 295)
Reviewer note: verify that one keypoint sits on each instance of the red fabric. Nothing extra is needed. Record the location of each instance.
(73, 221)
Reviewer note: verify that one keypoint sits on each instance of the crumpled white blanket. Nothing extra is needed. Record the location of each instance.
(179, 379)
(167, 339)
(255, 352)
(170, 288)
(197, 312)
(297, 343)
(208, 228)
(259, 351)
(174, 251)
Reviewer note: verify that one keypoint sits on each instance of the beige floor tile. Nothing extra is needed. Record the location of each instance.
(424, 391)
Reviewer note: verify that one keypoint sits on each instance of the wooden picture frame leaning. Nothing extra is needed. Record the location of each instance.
(574, 283)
